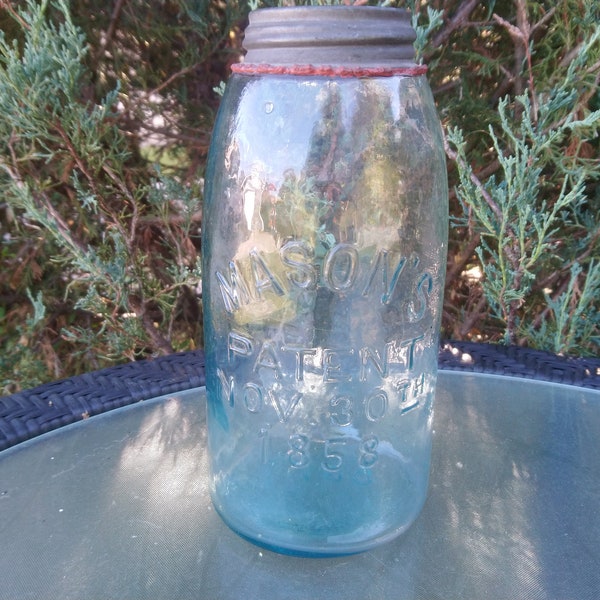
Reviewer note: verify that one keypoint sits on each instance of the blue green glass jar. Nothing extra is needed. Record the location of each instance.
(324, 249)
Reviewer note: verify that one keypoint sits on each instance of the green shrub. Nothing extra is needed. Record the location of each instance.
(101, 154)
(105, 120)
(517, 86)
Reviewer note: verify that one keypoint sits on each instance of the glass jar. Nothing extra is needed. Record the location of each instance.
(324, 249)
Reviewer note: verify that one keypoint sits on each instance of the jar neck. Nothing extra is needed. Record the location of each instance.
(332, 39)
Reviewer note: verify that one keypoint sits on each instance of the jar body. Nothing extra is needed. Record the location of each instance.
(324, 249)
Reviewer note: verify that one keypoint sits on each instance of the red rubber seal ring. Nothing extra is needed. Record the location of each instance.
(327, 71)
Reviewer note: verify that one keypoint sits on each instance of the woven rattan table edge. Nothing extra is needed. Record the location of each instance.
(29, 413)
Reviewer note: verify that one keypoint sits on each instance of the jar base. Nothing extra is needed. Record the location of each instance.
(305, 550)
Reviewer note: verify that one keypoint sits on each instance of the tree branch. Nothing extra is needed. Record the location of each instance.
(8, 7)
(106, 42)
(458, 20)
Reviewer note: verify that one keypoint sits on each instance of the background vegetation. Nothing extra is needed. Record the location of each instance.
(106, 110)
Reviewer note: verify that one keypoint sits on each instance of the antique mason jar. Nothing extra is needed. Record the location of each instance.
(324, 248)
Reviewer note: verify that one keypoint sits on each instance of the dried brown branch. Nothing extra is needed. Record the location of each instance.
(478, 184)
(75, 156)
(475, 315)
(107, 40)
(82, 166)
(43, 202)
(460, 19)
(167, 82)
(521, 35)
(460, 262)
(200, 141)
(160, 342)
(8, 7)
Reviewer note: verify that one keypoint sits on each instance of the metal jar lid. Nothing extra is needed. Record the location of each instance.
(343, 36)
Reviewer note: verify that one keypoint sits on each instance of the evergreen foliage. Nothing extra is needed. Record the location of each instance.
(522, 125)
(105, 120)
(100, 151)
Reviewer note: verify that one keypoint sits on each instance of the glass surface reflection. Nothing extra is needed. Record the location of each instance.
(118, 507)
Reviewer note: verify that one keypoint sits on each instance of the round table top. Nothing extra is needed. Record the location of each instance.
(117, 506)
